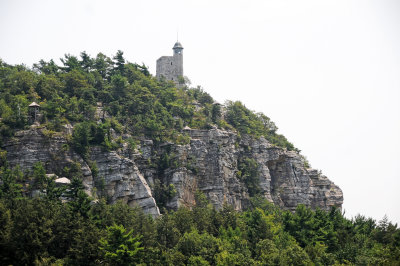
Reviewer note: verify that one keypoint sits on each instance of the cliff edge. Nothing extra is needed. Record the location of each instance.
(225, 167)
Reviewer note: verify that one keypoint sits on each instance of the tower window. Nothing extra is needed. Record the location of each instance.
(171, 63)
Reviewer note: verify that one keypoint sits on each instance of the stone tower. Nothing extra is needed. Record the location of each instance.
(171, 67)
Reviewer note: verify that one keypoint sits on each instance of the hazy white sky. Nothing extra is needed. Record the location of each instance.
(327, 72)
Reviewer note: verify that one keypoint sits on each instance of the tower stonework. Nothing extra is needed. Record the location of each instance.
(171, 67)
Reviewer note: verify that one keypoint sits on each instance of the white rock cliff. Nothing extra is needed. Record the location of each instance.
(209, 163)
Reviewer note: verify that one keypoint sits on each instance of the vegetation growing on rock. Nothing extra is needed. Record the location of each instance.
(112, 104)
(131, 97)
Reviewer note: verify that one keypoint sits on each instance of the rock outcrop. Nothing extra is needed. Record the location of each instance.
(121, 178)
(209, 163)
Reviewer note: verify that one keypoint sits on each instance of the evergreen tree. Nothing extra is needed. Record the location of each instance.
(120, 247)
(86, 62)
(119, 62)
(10, 189)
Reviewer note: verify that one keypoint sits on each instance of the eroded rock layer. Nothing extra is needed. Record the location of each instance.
(209, 163)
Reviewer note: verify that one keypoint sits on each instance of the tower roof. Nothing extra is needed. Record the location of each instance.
(178, 45)
(34, 104)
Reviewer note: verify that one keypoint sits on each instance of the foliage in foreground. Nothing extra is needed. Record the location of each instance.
(44, 231)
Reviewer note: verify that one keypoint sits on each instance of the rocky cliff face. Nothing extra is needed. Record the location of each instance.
(209, 163)
(122, 179)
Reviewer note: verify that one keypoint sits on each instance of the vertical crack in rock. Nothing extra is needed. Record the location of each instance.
(123, 181)
(208, 164)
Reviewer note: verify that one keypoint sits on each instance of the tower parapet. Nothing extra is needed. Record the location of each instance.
(171, 67)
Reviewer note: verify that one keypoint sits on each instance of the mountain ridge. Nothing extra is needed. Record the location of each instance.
(149, 142)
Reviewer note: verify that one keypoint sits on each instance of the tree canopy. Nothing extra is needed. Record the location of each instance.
(43, 230)
(62, 225)
(158, 109)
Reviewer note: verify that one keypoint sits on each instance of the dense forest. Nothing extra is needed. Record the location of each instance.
(130, 95)
(63, 225)
(45, 231)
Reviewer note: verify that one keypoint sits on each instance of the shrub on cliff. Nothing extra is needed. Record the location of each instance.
(145, 106)
(248, 122)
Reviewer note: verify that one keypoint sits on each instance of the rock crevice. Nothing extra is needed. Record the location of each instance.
(209, 163)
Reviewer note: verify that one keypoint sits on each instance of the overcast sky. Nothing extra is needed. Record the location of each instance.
(326, 72)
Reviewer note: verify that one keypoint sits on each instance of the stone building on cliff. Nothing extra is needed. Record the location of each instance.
(171, 67)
